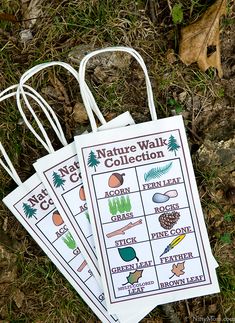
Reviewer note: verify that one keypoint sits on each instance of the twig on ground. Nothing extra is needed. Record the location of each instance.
(188, 310)
(169, 5)
(152, 11)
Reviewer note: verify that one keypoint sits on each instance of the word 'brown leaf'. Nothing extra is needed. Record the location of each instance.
(178, 269)
(198, 37)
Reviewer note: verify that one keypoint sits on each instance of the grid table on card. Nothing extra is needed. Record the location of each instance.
(144, 213)
(54, 236)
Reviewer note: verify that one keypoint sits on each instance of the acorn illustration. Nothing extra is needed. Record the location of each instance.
(57, 219)
(82, 194)
(168, 220)
(116, 180)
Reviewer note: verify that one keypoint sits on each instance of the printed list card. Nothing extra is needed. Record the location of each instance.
(146, 216)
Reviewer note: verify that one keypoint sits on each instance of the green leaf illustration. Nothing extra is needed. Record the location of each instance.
(157, 172)
(134, 277)
(127, 253)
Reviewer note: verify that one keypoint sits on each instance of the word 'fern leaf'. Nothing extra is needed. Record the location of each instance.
(157, 172)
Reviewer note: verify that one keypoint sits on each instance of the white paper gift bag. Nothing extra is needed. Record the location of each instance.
(65, 191)
(146, 217)
(34, 208)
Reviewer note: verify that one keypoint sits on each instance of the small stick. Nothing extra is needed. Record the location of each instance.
(123, 229)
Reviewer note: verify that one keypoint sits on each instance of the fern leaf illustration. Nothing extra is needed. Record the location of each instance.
(157, 172)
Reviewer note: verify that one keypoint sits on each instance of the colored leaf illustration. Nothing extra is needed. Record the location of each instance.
(134, 277)
(157, 172)
(127, 253)
(177, 270)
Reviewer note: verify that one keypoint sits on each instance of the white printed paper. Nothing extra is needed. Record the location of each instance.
(35, 210)
(61, 176)
(149, 231)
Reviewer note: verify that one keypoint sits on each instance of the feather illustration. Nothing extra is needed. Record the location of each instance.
(173, 243)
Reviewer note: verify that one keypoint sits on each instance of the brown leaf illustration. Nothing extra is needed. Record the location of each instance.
(177, 269)
(201, 36)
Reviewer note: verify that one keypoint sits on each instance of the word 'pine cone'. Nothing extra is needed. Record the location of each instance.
(168, 220)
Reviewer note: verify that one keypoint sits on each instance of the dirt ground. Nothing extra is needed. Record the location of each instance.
(31, 288)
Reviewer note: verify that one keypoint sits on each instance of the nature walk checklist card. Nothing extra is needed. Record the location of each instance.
(60, 173)
(146, 217)
(34, 208)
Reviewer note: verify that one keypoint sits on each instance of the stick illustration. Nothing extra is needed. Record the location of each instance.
(123, 229)
(82, 266)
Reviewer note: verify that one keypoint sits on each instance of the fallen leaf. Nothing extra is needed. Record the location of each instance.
(177, 270)
(31, 10)
(199, 37)
(18, 297)
(79, 113)
(170, 56)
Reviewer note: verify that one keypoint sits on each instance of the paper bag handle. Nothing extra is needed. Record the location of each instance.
(9, 168)
(44, 106)
(85, 91)
(7, 165)
(20, 90)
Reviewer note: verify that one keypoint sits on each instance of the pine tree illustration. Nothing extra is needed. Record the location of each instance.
(29, 211)
(57, 180)
(92, 160)
(172, 144)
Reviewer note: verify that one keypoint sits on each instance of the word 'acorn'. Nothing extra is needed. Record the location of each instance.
(116, 180)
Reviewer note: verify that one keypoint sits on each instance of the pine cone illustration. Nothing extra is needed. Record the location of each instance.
(168, 220)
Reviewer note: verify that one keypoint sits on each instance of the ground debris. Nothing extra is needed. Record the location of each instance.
(18, 297)
(219, 153)
(79, 113)
(104, 61)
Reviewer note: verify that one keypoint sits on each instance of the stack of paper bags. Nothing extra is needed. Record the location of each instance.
(118, 213)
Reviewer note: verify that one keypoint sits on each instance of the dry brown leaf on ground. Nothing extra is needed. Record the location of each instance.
(202, 35)
(31, 10)
(79, 113)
